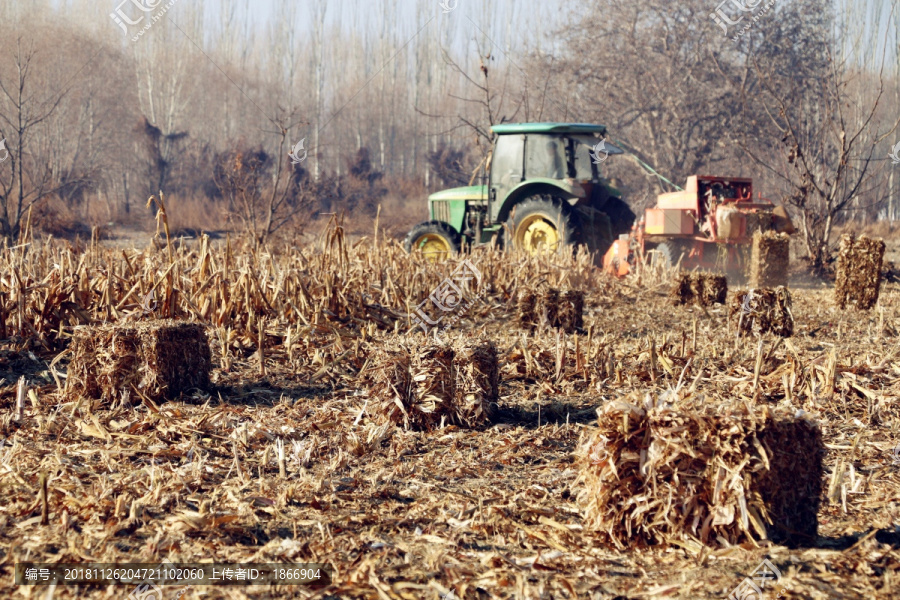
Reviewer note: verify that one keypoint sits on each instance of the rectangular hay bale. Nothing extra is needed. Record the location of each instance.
(570, 316)
(432, 386)
(761, 311)
(859, 272)
(476, 371)
(770, 259)
(161, 359)
(704, 289)
(561, 310)
(527, 310)
(423, 388)
(720, 475)
(682, 290)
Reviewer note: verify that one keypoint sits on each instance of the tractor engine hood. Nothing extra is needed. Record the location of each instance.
(470, 192)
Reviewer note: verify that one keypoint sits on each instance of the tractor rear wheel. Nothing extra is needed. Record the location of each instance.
(435, 239)
(542, 223)
(669, 253)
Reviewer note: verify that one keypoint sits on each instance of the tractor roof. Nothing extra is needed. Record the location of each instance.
(559, 128)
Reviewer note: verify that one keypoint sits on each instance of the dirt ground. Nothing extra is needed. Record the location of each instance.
(490, 512)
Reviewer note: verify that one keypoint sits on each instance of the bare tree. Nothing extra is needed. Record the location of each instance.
(265, 190)
(825, 111)
(26, 175)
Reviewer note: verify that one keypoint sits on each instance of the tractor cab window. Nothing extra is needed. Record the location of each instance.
(584, 163)
(506, 164)
(545, 156)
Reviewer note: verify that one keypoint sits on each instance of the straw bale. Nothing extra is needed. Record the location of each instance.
(432, 376)
(476, 382)
(708, 288)
(762, 311)
(758, 222)
(714, 289)
(161, 359)
(548, 306)
(390, 383)
(719, 475)
(859, 272)
(769, 259)
(527, 310)
(570, 316)
(682, 292)
(562, 310)
(438, 384)
(701, 288)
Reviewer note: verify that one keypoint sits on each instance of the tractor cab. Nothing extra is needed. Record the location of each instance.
(541, 190)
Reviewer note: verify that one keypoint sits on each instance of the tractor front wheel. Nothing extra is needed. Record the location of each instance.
(435, 239)
(542, 223)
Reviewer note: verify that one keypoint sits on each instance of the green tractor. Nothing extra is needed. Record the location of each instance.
(541, 191)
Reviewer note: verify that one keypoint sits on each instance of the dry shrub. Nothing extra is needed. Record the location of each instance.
(721, 475)
(436, 385)
(54, 217)
(762, 311)
(770, 259)
(160, 359)
(859, 274)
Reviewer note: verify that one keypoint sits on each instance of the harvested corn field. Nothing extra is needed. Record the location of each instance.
(645, 451)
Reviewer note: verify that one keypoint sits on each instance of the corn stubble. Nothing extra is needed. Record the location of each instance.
(315, 440)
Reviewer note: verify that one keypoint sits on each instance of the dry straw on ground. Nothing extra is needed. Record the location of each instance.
(769, 260)
(859, 275)
(156, 359)
(299, 464)
(718, 475)
(761, 311)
